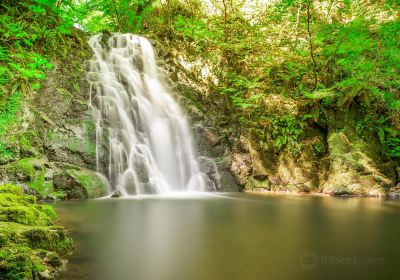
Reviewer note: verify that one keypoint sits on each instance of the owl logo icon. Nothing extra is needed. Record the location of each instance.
(309, 261)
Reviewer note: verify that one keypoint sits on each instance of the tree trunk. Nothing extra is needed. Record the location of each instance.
(311, 44)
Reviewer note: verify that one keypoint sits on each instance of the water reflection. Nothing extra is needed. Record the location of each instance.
(237, 236)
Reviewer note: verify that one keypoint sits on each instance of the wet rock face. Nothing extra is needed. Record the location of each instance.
(350, 166)
(394, 193)
(266, 168)
(214, 155)
(209, 167)
(70, 187)
(63, 119)
(241, 168)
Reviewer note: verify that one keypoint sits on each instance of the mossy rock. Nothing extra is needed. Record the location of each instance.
(19, 262)
(339, 143)
(11, 189)
(29, 242)
(35, 172)
(253, 183)
(78, 183)
(53, 180)
(23, 209)
(47, 238)
(90, 181)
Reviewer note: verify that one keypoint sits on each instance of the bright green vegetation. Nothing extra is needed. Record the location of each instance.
(29, 241)
(36, 172)
(114, 15)
(328, 55)
(69, 181)
(313, 80)
(29, 32)
(288, 73)
(91, 184)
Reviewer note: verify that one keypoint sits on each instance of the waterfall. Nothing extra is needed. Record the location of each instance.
(143, 141)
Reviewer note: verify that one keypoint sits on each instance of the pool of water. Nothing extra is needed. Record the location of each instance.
(233, 236)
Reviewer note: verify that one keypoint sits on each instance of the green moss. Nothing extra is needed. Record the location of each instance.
(29, 242)
(52, 238)
(19, 262)
(76, 145)
(24, 210)
(65, 93)
(49, 211)
(36, 171)
(53, 259)
(19, 214)
(256, 184)
(11, 189)
(59, 194)
(50, 134)
(25, 143)
(92, 184)
(9, 199)
(25, 165)
(83, 145)
(6, 153)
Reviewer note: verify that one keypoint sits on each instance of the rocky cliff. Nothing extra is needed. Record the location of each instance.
(53, 139)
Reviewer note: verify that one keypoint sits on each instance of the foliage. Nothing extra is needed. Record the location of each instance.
(114, 15)
(329, 55)
(239, 89)
(333, 55)
(393, 145)
(29, 32)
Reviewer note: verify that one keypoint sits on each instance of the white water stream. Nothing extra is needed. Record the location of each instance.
(143, 141)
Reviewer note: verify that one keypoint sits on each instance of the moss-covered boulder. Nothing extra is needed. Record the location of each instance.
(352, 170)
(358, 165)
(35, 172)
(54, 180)
(31, 246)
(78, 183)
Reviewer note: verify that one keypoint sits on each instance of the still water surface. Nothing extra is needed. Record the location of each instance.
(233, 236)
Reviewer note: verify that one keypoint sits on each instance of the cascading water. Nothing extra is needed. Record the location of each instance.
(143, 141)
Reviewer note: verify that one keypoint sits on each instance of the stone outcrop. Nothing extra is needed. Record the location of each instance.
(357, 164)
(53, 143)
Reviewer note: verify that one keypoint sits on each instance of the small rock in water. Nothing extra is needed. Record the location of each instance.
(49, 198)
(44, 275)
(117, 194)
(394, 195)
